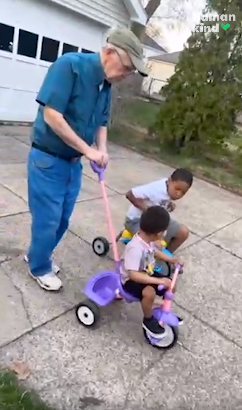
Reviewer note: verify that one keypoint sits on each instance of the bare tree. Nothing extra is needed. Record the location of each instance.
(175, 11)
(153, 30)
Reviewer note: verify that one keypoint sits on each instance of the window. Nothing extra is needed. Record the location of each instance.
(68, 48)
(87, 51)
(27, 43)
(49, 50)
(6, 38)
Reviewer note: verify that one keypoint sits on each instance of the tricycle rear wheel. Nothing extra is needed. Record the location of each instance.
(88, 313)
(100, 246)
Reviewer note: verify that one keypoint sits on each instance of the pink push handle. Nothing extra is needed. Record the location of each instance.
(174, 279)
(166, 305)
(100, 172)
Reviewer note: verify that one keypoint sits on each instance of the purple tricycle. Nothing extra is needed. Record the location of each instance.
(103, 288)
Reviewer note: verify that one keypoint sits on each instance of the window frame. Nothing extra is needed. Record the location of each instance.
(41, 49)
(21, 57)
(86, 51)
(6, 53)
(62, 48)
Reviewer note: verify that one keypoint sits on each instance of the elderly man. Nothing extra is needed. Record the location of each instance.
(74, 104)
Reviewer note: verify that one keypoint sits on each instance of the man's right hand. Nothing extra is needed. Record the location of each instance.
(94, 155)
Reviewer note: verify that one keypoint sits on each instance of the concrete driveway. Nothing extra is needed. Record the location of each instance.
(113, 367)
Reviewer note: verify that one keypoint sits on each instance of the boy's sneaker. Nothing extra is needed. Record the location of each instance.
(152, 326)
(55, 268)
(180, 321)
(49, 281)
(180, 271)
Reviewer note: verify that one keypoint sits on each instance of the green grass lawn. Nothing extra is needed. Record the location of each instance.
(139, 112)
(129, 128)
(226, 171)
(13, 396)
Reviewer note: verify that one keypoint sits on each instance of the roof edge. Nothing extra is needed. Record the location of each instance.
(136, 11)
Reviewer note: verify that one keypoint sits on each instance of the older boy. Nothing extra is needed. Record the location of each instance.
(162, 192)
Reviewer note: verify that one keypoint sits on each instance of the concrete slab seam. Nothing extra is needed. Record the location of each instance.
(219, 332)
(70, 309)
(12, 192)
(14, 214)
(22, 300)
(107, 186)
(223, 227)
(20, 140)
(223, 249)
(97, 197)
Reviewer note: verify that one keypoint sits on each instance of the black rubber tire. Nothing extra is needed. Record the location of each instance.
(88, 307)
(102, 248)
(171, 345)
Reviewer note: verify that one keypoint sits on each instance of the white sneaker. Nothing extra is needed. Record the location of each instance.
(55, 268)
(49, 281)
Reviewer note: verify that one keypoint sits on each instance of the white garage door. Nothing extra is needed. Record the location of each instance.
(32, 35)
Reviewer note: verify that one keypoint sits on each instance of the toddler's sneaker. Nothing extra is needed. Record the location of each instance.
(152, 326)
(118, 296)
(55, 268)
(49, 281)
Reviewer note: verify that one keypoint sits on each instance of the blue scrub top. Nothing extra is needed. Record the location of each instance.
(76, 87)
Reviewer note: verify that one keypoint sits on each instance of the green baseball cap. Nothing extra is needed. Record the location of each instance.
(127, 41)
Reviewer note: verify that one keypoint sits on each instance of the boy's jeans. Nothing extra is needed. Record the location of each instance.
(53, 187)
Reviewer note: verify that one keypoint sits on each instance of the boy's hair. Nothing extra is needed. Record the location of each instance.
(182, 174)
(154, 220)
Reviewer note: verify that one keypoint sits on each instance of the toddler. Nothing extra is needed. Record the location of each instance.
(138, 261)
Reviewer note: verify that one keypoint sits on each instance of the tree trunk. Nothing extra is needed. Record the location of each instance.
(150, 9)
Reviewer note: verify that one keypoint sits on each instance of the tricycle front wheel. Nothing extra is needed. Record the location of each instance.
(167, 342)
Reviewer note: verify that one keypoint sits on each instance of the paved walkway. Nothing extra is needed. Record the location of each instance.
(113, 367)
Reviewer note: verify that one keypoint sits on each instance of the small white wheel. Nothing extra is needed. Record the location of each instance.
(88, 313)
(166, 342)
(100, 246)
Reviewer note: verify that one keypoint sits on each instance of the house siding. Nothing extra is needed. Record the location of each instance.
(109, 12)
(159, 74)
(162, 70)
(21, 76)
(81, 23)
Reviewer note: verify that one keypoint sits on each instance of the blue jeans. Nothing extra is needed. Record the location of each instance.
(53, 187)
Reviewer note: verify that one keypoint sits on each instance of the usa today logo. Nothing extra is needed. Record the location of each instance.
(223, 23)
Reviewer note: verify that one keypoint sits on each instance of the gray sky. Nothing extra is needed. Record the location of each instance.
(174, 37)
